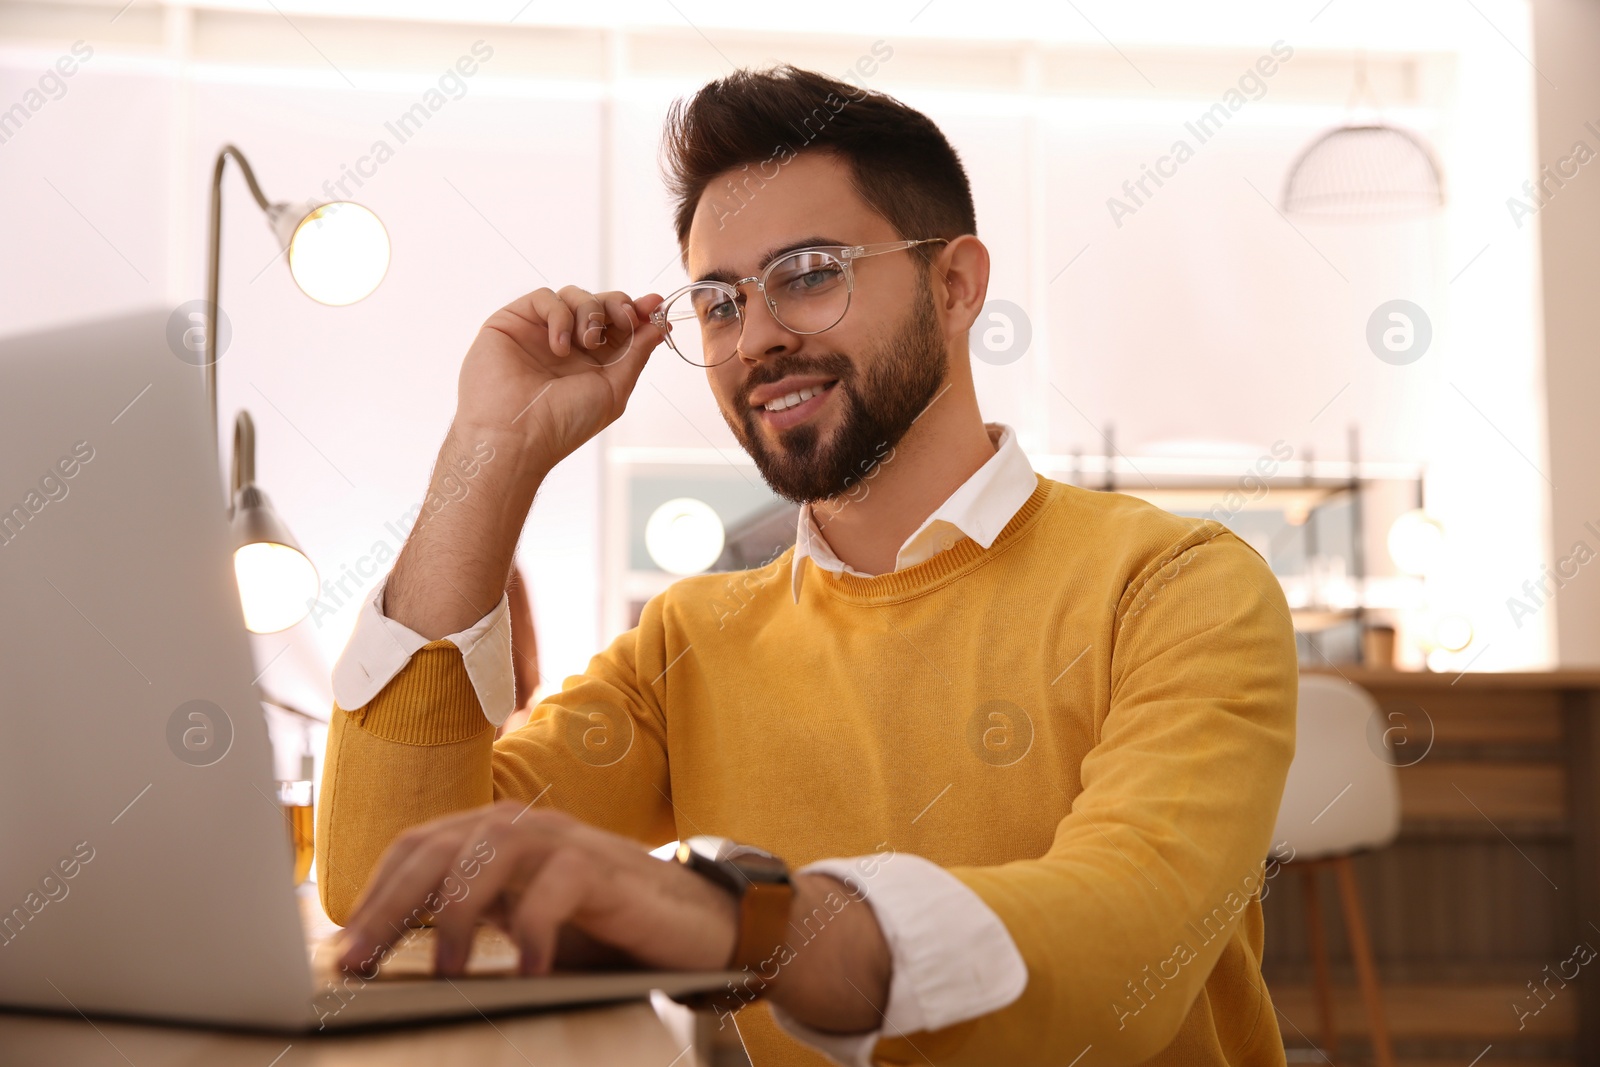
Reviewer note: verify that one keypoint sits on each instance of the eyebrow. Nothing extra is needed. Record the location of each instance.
(724, 275)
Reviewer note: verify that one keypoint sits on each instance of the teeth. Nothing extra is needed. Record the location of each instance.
(784, 402)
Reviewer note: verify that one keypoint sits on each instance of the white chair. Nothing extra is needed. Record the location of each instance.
(1342, 797)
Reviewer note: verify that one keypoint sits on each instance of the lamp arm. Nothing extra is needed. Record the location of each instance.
(214, 265)
(244, 455)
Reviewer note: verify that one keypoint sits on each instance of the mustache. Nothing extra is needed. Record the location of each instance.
(832, 365)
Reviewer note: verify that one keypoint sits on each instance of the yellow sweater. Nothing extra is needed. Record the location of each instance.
(1108, 692)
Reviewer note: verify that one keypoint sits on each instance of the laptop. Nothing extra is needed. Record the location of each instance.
(146, 871)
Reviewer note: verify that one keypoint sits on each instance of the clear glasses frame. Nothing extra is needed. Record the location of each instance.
(846, 255)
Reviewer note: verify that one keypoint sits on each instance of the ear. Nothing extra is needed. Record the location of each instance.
(962, 282)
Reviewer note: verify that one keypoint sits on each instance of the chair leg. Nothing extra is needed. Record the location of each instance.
(1366, 972)
(1317, 939)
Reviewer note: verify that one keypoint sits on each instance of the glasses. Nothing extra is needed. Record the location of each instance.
(807, 291)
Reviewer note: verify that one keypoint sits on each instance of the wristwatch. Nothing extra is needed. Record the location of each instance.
(758, 880)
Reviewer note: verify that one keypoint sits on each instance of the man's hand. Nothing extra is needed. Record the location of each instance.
(545, 374)
(541, 874)
(555, 368)
(531, 872)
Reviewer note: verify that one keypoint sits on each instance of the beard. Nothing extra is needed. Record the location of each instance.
(902, 378)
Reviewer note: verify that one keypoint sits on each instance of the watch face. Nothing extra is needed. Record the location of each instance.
(736, 864)
(707, 847)
(759, 866)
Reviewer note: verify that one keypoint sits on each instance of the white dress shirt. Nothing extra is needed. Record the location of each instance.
(952, 957)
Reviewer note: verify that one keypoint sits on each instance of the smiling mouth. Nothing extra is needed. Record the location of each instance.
(800, 406)
(795, 399)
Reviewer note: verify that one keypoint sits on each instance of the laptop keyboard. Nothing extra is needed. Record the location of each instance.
(493, 955)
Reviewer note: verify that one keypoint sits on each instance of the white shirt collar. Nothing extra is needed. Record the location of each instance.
(979, 509)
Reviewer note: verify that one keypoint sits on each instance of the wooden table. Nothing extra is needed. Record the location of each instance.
(1495, 875)
(625, 1034)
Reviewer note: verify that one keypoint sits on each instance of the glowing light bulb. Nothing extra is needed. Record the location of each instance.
(1416, 542)
(277, 585)
(684, 536)
(339, 253)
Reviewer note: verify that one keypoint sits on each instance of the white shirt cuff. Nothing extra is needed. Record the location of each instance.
(952, 957)
(379, 648)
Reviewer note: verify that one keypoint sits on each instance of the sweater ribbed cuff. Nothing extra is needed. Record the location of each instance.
(430, 702)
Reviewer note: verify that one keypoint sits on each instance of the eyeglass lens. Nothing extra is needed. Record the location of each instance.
(807, 292)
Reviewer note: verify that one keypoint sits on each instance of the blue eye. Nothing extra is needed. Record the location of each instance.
(811, 278)
(713, 307)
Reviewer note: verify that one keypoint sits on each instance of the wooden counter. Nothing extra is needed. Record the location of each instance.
(1494, 876)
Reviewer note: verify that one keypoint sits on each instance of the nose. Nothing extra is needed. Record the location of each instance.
(762, 336)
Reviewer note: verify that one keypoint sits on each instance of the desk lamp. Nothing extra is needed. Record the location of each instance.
(338, 253)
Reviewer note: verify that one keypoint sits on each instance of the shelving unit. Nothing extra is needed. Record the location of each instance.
(1297, 488)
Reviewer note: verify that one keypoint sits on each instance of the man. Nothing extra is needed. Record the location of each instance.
(1020, 744)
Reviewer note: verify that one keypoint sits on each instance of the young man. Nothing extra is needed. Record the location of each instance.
(1021, 744)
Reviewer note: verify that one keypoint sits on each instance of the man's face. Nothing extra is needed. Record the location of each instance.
(877, 369)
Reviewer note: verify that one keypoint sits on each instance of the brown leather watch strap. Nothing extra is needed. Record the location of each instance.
(759, 881)
(763, 924)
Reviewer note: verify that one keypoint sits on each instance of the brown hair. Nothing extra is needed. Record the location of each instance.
(758, 120)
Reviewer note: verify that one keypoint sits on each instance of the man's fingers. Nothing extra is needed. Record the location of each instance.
(621, 319)
(552, 897)
(542, 311)
(589, 317)
(485, 866)
(648, 333)
(404, 892)
(577, 321)
(612, 331)
(634, 342)
(451, 872)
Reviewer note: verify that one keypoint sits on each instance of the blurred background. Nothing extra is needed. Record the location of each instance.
(1372, 355)
(1185, 329)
